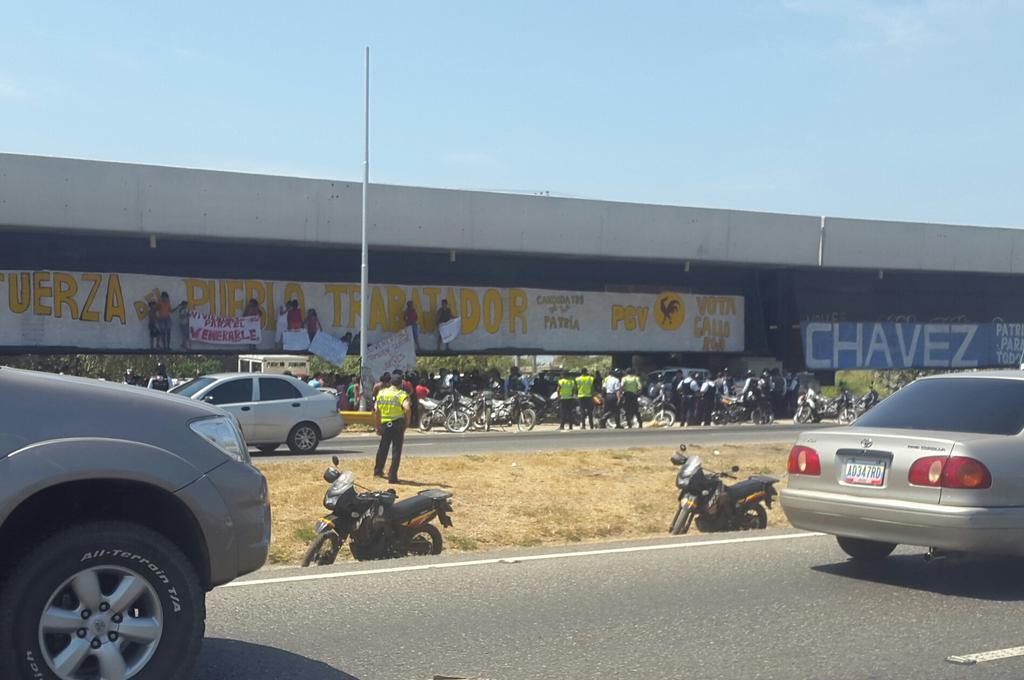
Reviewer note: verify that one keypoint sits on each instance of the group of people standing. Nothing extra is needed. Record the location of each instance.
(695, 395)
(160, 316)
(411, 317)
(619, 395)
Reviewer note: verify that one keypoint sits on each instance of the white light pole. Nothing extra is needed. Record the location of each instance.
(364, 269)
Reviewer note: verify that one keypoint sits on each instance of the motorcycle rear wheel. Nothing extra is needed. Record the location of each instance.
(753, 517)
(527, 420)
(323, 550)
(424, 540)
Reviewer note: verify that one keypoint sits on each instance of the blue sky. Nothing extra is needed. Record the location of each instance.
(903, 110)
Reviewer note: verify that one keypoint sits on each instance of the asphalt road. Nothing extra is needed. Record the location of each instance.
(789, 607)
(448, 444)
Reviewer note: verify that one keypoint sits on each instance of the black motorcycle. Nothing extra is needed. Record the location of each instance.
(716, 506)
(753, 407)
(867, 402)
(376, 526)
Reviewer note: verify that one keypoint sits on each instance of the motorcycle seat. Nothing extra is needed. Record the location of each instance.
(411, 507)
(745, 488)
(436, 494)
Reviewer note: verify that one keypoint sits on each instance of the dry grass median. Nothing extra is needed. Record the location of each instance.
(522, 500)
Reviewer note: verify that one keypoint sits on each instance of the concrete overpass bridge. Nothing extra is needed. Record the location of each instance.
(582, 275)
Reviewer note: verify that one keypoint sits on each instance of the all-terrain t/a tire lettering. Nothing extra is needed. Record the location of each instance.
(99, 596)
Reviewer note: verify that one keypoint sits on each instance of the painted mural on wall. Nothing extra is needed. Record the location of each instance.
(109, 311)
(883, 345)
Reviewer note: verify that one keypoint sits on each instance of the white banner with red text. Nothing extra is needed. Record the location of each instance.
(224, 330)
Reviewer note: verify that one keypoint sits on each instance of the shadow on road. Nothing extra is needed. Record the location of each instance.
(980, 578)
(235, 660)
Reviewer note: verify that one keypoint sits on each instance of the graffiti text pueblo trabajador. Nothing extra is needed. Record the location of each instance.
(107, 311)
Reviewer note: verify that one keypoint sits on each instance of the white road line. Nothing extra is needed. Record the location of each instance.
(994, 655)
(516, 559)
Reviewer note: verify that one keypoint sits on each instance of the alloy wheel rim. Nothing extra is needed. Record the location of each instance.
(103, 621)
(305, 438)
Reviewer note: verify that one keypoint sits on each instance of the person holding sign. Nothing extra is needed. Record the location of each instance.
(566, 400)
(412, 320)
(444, 315)
(585, 392)
(391, 415)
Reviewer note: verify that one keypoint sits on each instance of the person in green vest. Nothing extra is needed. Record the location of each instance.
(566, 400)
(631, 398)
(391, 415)
(585, 393)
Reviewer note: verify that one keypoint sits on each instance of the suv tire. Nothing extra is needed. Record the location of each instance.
(108, 555)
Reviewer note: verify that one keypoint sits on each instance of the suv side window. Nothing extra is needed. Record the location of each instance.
(233, 392)
(275, 389)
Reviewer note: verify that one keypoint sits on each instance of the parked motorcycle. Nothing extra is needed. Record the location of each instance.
(515, 410)
(375, 525)
(467, 412)
(812, 407)
(750, 408)
(433, 412)
(664, 412)
(717, 507)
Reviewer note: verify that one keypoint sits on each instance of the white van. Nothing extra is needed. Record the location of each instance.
(273, 363)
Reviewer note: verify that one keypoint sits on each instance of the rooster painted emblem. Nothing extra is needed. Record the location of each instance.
(669, 311)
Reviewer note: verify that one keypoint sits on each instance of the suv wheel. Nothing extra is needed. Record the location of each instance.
(304, 438)
(102, 599)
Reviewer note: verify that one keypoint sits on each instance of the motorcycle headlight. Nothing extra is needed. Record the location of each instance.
(223, 432)
(330, 500)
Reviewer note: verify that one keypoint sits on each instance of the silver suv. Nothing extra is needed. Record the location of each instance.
(119, 508)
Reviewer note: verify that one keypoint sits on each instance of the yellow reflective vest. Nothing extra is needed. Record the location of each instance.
(389, 404)
(565, 388)
(631, 384)
(585, 386)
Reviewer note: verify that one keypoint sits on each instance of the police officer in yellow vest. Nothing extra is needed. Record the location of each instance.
(391, 414)
(585, 392)
(631, 398)
(566, 400)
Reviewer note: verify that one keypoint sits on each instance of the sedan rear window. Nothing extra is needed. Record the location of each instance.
(275, 389)
(976, 405)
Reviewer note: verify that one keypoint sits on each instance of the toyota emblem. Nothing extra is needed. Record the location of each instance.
(866, 443)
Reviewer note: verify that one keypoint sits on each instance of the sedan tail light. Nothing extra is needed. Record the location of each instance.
(954, 472)
(803, 460)
(927, 471)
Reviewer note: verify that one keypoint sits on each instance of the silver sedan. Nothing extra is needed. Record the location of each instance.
(939, 464)
(271, 409)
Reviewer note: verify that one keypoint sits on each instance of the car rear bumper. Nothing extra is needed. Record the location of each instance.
(331, 426)
(967, 529)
